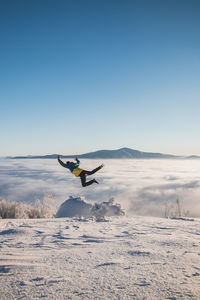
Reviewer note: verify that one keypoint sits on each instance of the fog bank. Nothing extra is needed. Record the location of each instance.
(142, 187)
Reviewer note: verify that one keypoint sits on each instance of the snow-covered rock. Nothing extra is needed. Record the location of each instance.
(78, 207)
(74, 207)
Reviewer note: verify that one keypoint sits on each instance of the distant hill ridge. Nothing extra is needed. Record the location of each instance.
(123, 153)
(106, 154)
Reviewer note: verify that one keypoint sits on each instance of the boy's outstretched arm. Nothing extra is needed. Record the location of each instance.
(77, 162)
(61, 162)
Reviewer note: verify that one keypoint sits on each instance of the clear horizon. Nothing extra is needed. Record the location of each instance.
(81, 76)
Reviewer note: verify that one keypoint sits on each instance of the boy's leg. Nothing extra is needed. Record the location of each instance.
(83, 179)
(94, 171)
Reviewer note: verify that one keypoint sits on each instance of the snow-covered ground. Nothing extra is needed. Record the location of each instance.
(124, 258)
(119, 257)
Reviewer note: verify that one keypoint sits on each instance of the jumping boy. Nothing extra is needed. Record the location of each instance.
(78, 172)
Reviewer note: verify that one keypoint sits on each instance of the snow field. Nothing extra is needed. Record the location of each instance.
(124, 258)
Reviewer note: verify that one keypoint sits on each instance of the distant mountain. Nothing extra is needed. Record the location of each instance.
(105, 154)
(124, 153)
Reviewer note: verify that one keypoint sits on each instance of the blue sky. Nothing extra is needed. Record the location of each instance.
(78, 76)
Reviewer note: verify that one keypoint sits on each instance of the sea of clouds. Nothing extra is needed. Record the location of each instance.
(142, 187)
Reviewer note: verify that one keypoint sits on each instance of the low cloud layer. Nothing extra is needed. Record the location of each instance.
(142, 187)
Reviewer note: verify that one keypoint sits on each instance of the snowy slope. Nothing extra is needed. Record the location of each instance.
(125, 258)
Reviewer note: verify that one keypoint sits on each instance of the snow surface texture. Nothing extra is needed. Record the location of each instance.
(142, 187)
(125, 258)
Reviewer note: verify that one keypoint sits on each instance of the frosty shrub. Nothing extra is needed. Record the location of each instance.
(175, 210)
(43, 208)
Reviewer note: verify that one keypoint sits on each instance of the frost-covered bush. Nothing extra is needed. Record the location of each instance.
(17, 210)
(175, 210)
